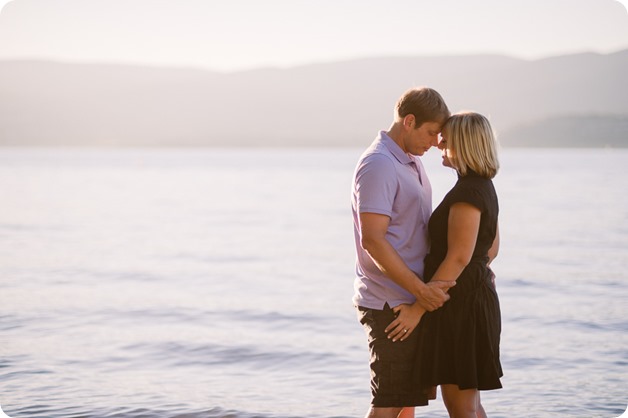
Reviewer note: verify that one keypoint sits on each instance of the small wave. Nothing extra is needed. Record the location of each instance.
(516, 282)
(213, 259)
(268, 319)
(165, 411)
(586, 326)
(30, 228)
(179, 354)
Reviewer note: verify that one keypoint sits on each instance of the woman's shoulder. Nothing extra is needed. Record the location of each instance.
(477, 190)
(472, 180)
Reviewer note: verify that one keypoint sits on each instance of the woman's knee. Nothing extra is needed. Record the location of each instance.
(460, 403)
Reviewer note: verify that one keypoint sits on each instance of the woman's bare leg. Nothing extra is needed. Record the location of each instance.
(480, 409)
(407, 412)
(460, 403)
(383, 412)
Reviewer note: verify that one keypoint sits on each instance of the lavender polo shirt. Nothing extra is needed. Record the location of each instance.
(390, 182)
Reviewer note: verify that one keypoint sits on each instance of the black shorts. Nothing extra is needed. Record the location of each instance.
(391, 363)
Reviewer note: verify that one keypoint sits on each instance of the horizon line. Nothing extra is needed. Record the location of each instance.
(190, 67)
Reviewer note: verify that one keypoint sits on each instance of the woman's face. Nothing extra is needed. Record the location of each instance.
(446, 151)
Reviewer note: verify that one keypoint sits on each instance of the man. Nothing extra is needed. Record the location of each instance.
(392, 203)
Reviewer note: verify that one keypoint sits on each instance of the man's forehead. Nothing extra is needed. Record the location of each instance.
(433, 125)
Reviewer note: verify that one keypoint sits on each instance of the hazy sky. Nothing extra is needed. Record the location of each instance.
(240, 34)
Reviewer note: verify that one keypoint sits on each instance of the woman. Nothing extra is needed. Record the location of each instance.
(459, 343)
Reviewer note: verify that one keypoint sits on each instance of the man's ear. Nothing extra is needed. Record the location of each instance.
(409, 121)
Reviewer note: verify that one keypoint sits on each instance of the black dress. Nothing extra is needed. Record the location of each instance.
(459, 343)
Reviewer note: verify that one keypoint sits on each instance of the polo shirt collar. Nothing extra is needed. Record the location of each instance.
(394, 149)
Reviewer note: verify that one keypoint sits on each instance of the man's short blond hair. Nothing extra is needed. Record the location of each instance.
(426, 104)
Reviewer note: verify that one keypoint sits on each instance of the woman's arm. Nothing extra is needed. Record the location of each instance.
(494, 250)
(463, 227)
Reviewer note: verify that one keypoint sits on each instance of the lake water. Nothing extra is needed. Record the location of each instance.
(218, 283)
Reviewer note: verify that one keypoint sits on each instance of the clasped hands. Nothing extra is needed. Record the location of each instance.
(407, 316)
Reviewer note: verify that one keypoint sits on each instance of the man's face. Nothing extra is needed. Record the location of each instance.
(421, 139)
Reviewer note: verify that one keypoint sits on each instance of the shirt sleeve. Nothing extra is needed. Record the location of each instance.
(376, 185)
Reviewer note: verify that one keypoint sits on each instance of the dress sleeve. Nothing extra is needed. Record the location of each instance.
(472, 193)
(376, 185)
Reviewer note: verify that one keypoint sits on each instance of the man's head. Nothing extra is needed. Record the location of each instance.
(419, 116)
(424, 104)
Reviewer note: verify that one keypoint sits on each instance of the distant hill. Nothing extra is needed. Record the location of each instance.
(331, 104)
(583, 131)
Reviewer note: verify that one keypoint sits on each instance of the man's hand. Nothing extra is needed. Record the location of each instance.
(434, 294)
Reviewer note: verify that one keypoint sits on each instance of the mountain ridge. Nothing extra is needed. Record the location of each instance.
(341, 103)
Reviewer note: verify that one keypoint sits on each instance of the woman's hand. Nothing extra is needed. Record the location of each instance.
(408, 317)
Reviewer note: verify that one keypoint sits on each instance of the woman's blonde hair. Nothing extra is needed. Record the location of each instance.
(470, 136)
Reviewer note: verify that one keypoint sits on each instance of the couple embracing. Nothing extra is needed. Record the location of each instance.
(424, 290)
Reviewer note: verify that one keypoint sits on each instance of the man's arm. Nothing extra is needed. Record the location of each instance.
(373, 229)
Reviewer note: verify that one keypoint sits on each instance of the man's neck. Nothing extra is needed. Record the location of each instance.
(396, 133)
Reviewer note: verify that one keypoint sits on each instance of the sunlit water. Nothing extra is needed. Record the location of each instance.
(218, 283)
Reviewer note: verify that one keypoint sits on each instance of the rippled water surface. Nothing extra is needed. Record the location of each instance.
(217, 283)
